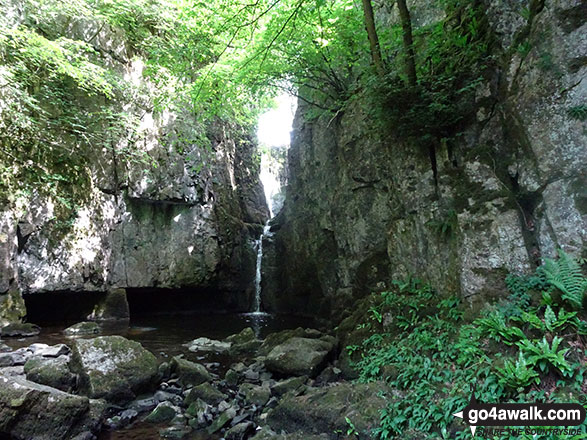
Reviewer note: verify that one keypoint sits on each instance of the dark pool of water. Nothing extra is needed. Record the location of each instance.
(165, 336)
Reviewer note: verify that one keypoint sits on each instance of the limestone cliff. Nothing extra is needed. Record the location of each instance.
(363, 207)
(179, 212)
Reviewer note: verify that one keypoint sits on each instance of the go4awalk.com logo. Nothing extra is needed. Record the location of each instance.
(485, 415)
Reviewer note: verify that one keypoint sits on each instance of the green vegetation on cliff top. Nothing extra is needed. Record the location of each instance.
(64, 89)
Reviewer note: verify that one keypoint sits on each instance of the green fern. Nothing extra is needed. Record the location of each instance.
(565, 274)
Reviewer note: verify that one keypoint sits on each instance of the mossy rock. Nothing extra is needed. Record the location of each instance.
(83, 328)
(113, 368)
(324, 410)
(20, 330)
(188, 372)
(51, 372)
(164, 412)
(206, 393)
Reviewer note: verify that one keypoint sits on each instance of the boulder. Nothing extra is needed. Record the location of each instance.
(207, 393)
(324, 410)
(299, 356)
(206, 345)
(188, 372)
(33, 411)
(51, 372)
(20, 330)
(83, 328)
(113, 368)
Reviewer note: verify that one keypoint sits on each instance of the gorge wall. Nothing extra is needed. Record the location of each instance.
(363, 207)
(177, 213)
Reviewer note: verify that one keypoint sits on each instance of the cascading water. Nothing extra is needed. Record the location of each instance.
(259, 244)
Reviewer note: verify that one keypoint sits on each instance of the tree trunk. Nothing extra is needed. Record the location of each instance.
(373, 39)
(410, 59)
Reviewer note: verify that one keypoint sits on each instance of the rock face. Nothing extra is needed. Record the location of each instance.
(113, 368)
(179, 213)
(363, 208)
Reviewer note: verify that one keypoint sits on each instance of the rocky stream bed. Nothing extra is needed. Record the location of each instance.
(286, 384)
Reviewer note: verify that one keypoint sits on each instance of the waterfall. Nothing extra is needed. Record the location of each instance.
(259, 243)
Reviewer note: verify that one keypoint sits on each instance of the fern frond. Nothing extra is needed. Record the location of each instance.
(565, 274)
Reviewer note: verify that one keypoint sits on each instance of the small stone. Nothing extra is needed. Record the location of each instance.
(240, 431)
(142, 405)
(231, 377)
(175, 432)
(222, 420)
(288, 385)
(255, 394)
(164, 412)
(164, 396)
(128, 415)
(207, 393)
(251, 375)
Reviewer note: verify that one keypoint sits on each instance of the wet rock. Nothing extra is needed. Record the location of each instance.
(113, 308)
(255, 394)
(32, 411)
(143, 405)
(175, 432)
(329, 375)
(51, 372)
(83, 328)
(125, 418)
(231, 377)
(164, 412)
(324, 410)
(113, 367)
(164, 396)
(198, 410)
(274, 339)
(50, 351)
(20, 330)
(206, 345)
(207, 393)
(251, 375)
(299, 356)
(240, 431)
(14, 358)
(291, 385)
(222, 420)
(246, 335)
(188, 372)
